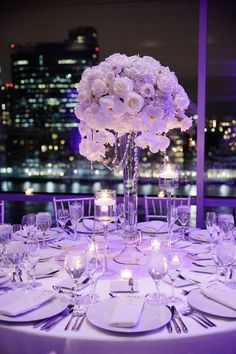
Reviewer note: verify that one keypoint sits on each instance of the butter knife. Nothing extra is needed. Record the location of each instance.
(176, 315)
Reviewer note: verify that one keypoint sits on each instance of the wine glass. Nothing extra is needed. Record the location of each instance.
(104, 212)
(211, 222)
(183, 212)
(17, 231)
(95, 268)
(173, 218)
(226, 225)
(226, 253)
(43, 223)
(28, 223)
(169, 180)
(5, 233)
(157, 266)
(31, 259)
(75, 265)
(76, 212)
(63, 216)
(174, 269)
(15, 252)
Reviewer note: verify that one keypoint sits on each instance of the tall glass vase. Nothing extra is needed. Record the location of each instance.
(130, 156)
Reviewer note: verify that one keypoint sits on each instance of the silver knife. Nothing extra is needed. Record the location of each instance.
(177, 327)
(176, 315)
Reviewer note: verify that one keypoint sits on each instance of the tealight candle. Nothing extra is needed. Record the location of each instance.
(175, 260)
(155, 245)
(168, 173)
(126, 274)
(161, 194)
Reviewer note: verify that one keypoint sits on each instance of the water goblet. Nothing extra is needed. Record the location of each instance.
(17, 231)
(28, 223)
(104, 212)
(157, 266)
(43, 223)
(31, 259)
(183, 212)
(75, 265)
(76, 212)
(211, 223)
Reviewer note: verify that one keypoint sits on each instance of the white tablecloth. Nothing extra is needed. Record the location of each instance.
(26, 339)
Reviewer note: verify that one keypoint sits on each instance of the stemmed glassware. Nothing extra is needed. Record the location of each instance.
(183, 212)
(169, 180)
(105, 213)
(95, 269)
(211, 223)
(120, 212)
(5, 236)
(174, 269)
(63, 217)
(76, 212)
(43, 223)
(157, 266)
(31, 259)
(28, 223)
(75, 265)
(16, 252)
(226, 225)
(226, 253)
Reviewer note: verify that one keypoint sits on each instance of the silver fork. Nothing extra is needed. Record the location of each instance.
(74, 314)
(198, 316)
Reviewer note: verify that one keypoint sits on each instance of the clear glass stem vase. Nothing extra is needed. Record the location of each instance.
(130, 254)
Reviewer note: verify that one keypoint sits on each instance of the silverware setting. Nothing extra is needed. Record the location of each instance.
(48, 323)
(79, 317)
(189, 279)
(173, 320)
(199, 317)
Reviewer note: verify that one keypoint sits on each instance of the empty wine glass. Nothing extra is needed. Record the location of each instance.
(76, 212)
(174, 269)
(43, 223)
(15, 252)
(63, 216)
(183, 212)
(31, 259)
(157, 266)
(28, 223)
(105, 210)
(211, 223)
(226, 225)
(95, 268)
(75, 265)
(173, 218)
(226, 253)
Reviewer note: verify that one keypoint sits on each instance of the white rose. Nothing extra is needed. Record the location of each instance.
(122, 86)
(104, 137)
(134, 103)
(167, 82)
(152, 118)
(92, 150)
(84, 130)
(99, 88)
(147, 90)
(181, 101)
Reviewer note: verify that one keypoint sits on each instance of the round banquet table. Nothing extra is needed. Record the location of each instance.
(23, 338)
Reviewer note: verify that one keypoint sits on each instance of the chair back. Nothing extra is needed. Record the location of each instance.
(156, 207)
(64, 203)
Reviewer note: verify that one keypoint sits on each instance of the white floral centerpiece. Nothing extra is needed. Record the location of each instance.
(129, 95)
(128, 103)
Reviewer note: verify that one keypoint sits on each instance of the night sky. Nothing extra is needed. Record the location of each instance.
(166, 30)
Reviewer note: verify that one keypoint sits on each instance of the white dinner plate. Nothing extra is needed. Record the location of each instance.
(53, 307)
(200, 235)
(4, 279)
(202, 303)
(152, 317)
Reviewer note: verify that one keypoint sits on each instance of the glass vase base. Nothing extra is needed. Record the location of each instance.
(130, 255)
(108, 273)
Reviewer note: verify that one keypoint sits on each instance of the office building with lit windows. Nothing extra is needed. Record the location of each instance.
(42, 99)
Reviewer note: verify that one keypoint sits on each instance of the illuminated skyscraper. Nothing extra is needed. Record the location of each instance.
(43, 98)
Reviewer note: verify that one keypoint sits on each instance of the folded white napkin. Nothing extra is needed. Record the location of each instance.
(122, 286)
(200, 235)
(152, 226)
(126, 311)
(43, 269)
(220, 293)
(24, 301)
